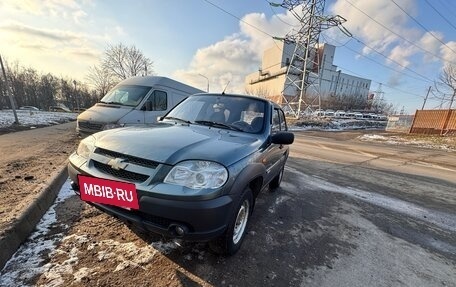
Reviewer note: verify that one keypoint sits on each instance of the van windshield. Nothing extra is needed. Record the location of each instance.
(126, 95)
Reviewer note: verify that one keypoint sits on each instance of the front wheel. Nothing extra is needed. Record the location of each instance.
(275, 183)
(230, 242)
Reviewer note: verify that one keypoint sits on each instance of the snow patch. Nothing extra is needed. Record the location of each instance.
(279, 200)
(397, 140)
(165, 247)
(443, 220)
(81, 274)
(36, 118)
(34, 251)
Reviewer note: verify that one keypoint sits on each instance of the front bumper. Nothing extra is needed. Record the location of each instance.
(201, 220)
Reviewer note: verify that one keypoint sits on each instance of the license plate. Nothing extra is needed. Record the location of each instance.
(117, 193)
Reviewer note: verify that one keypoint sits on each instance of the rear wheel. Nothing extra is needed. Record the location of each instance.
(275, 183)
(230, 242)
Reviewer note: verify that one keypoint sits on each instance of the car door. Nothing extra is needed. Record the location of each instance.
(275, 154)
(160, 103)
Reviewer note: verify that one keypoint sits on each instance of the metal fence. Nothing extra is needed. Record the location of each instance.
(399, 123)
(434, 122)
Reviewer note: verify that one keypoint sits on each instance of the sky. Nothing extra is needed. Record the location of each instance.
(401, 46)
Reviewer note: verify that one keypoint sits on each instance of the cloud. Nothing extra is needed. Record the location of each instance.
(48, 34)
(395, 80)
(78, 16)
(86, 52)
(224, 62)
(66, 9)
(401, 54)
(362, 17)
(448, 51)
(233, 58)
(431, 44)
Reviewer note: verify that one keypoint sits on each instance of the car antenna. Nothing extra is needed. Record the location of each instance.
(225, 87)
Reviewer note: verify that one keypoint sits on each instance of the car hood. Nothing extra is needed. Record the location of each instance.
(104, 113)
(172, 143)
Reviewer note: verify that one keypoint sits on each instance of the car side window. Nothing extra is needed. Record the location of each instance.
(275, 121)
(283, 123)
(159, 100)
(278, 121)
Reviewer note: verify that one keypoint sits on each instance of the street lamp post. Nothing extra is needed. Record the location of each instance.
(77, 100)
(207, 81)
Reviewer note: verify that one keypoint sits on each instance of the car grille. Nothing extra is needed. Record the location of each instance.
(90, 125)
(122, 174)
(128, 158)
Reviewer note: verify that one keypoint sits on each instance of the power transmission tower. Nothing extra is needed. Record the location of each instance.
(377, 100)
(302, 84)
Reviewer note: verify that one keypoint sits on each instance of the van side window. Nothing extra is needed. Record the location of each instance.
(159, 101)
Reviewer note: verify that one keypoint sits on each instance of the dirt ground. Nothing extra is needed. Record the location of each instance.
(310, 233)
(28, 159)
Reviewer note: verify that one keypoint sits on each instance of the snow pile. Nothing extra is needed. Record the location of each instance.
(336, 124)
(398, 140)
(35, 118)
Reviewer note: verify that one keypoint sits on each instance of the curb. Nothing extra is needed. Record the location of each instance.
(23, 226)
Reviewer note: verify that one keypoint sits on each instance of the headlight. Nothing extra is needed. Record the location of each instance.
(112, 126)
(86, 146)
(196, 174)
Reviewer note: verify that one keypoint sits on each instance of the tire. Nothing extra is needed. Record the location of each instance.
(275, 182)
(230, 242)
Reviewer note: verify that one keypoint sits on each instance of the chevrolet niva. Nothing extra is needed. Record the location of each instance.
(193, 175)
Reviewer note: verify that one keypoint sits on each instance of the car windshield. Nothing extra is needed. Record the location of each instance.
(222, 111)
(126, 95)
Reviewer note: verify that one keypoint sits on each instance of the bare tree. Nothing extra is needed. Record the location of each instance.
(448, 80)
(260, 91)
(123, 62)
(101, 80)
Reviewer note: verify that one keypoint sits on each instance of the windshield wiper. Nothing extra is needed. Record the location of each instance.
(217, 124)
(177, 119)
(111, 103)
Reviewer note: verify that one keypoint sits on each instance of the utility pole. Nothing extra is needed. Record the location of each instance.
(425, 99)
(9, 92)
(303, 72)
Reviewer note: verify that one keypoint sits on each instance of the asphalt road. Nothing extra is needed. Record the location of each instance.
(348, 213)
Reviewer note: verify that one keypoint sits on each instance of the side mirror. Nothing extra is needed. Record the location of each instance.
(282, 138)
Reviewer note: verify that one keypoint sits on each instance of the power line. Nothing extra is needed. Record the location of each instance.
(278, 17)
(391, 87)
(443, 17)
(263, 32)
(394, 61)
(421, 25)
(340, 44)
(447, 8)
(407, 68)
(358, 75)
(231, 14)
(423, 78)
(400, 36)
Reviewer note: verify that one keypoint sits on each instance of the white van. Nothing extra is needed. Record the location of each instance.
(137, 100)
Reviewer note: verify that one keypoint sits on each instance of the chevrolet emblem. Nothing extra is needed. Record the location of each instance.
(118, 163)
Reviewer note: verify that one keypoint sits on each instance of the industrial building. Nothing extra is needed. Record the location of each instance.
(271, 80)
